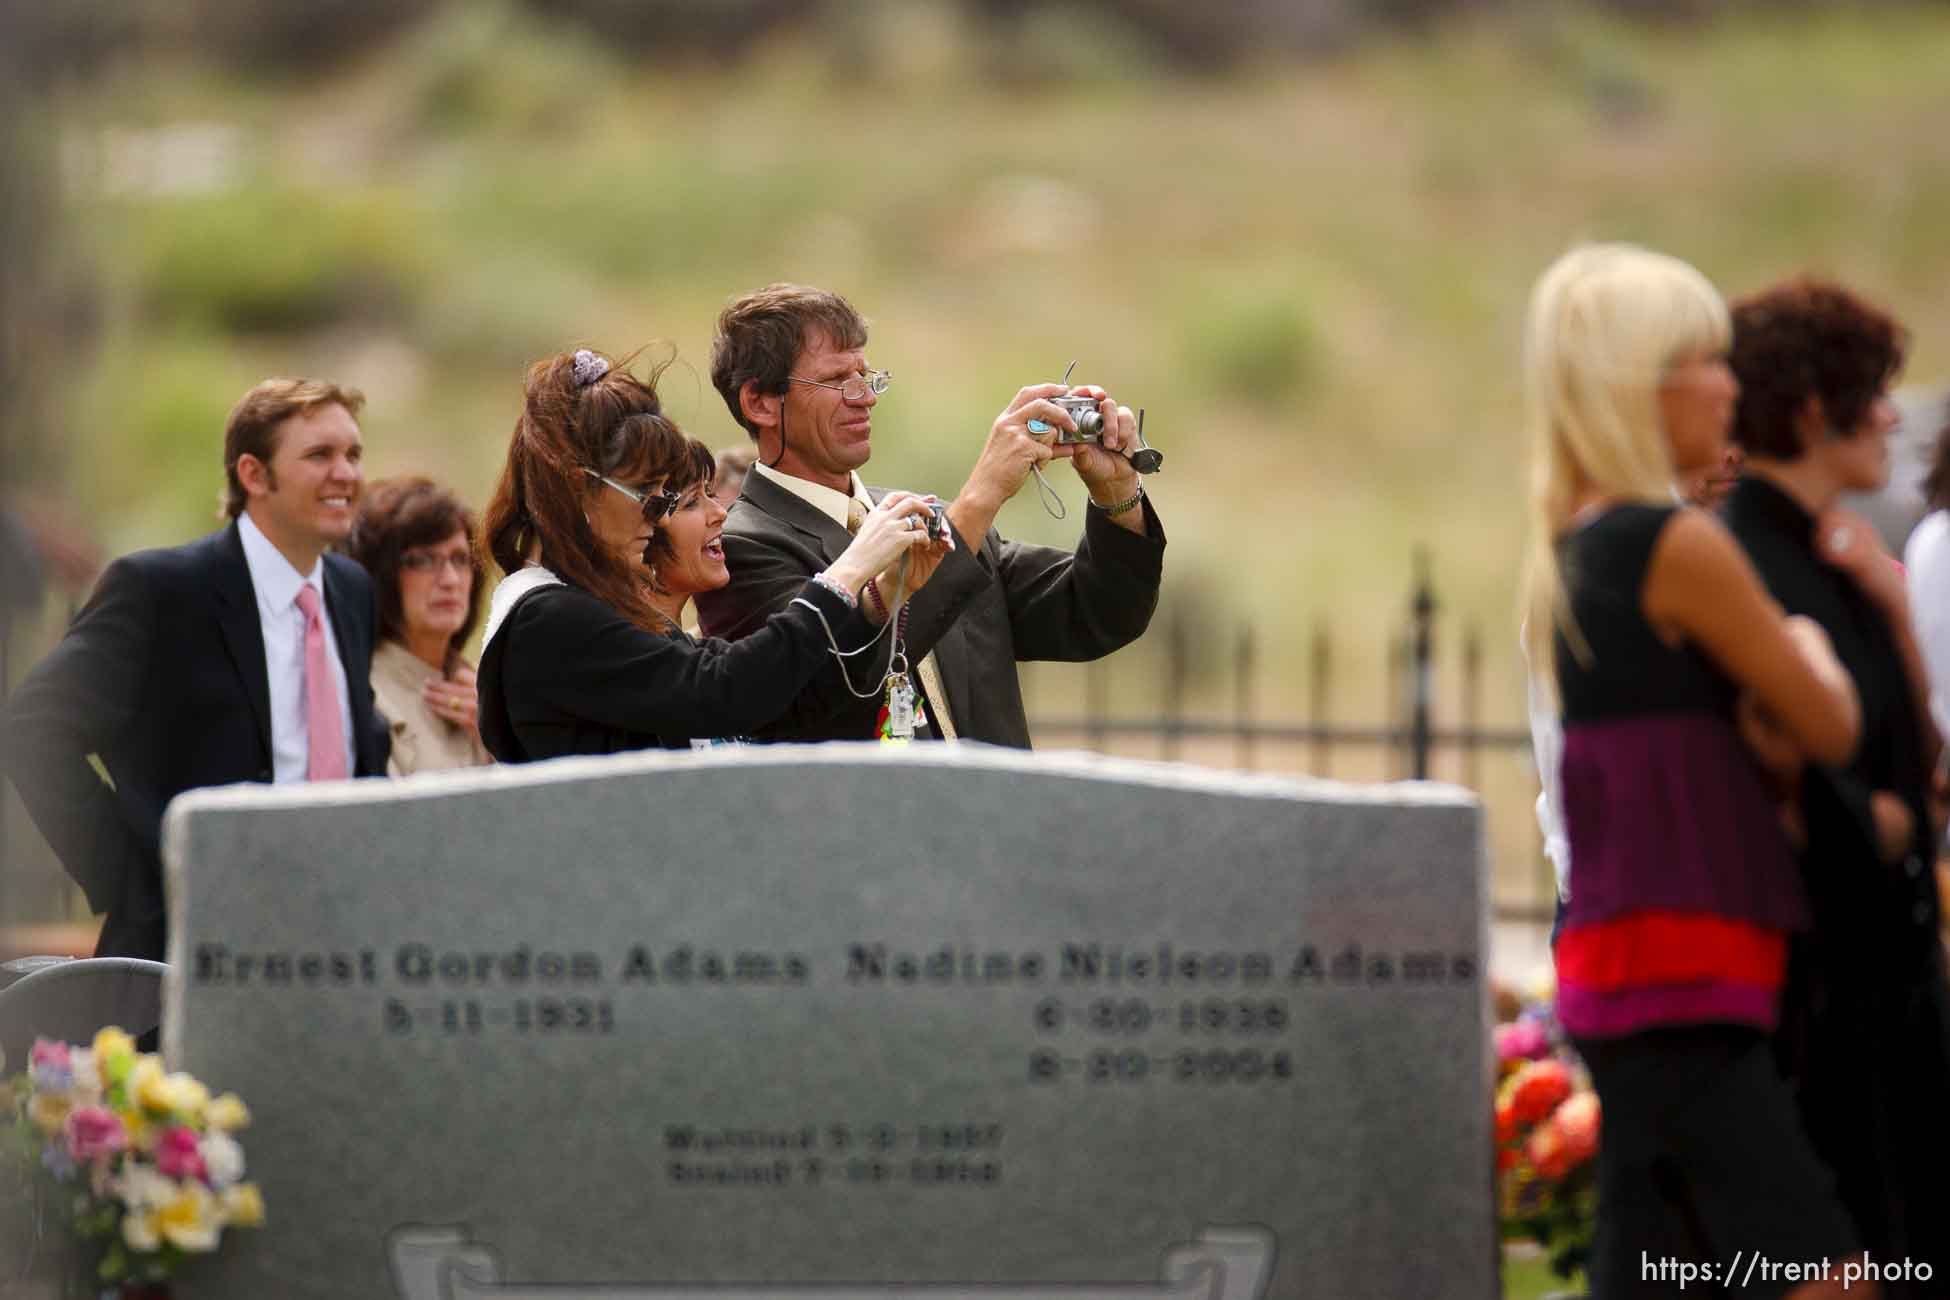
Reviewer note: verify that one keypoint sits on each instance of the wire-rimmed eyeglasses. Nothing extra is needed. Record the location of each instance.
(655, 504)
(855, 388)
(421, 561)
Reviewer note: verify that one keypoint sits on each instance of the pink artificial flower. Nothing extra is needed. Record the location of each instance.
(1547, 1153)
(1577, 1125)
(94, 1131)
(49, 1052)
(1522, 1040)
(177, 1156)
(51, 1066)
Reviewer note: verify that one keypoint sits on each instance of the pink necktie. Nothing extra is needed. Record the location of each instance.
(325, 760)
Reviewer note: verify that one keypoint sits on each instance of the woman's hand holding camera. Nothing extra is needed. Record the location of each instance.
(895, 528)
(892, 584)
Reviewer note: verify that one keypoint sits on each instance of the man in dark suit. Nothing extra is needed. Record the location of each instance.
(790, 362)
(243, 656)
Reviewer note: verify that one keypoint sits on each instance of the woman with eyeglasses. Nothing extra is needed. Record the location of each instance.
(417, 541)
(604, 525)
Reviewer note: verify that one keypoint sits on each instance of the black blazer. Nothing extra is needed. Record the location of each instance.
(986, 607)
(564, 673)
(162, 678)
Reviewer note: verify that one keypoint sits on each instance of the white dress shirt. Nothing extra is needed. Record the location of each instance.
(276, 584)
(1926, 565)
(827, 501)
(1547, 742)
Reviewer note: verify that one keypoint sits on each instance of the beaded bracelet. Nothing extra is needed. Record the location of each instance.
(838, 588)
(874, 602)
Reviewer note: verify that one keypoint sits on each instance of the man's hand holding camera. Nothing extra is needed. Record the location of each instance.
(1014, 449)
(1104, 466)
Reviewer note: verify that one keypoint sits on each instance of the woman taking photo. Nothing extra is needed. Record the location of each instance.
(605, 526)
(418, 543)
(1649, 623)
(1866, 1032)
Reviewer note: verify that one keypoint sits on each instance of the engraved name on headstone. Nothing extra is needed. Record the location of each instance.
(904, 1021)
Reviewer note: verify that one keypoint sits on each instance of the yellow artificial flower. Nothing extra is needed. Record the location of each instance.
(145, 1082)
(190, 1222)
(243, 1206)
(142, 1132)
(49, 1112)
(171, 1094)
(115, 1057)
(113, 1042)
(227, 1113)
(190, 1096)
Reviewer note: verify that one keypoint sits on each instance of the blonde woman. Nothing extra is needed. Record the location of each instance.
(1648, 624)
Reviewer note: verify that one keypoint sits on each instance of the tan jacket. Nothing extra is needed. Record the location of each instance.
(421, 741)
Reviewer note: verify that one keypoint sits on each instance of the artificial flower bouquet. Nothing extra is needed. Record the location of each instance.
(141, 1163)
(1546, 1140)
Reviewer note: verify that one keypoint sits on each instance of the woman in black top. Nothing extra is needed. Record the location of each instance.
(584, 654)
(1865, 1032)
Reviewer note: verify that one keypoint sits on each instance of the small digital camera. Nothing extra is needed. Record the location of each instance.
(1089, 420)
(936, 520)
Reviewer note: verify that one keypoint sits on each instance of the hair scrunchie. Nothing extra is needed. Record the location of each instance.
(589, 367)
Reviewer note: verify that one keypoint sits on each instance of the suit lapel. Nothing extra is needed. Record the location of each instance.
(243, 634)
(797, 513)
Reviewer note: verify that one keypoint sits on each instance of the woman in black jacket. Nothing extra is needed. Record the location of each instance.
(604, 525)
(1865, 1027)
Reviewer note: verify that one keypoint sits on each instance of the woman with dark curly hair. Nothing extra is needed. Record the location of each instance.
(1646, 624)
(417, 541)
(605, 525)
(1865, 1033)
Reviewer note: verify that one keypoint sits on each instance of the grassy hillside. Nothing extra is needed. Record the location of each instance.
(1310, 275)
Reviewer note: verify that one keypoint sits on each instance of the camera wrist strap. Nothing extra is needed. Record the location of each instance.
(1052, 503)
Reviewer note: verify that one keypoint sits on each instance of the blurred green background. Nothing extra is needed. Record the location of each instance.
(1300, 235)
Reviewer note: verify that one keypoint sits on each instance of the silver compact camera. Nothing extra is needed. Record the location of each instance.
(1144, 458)
(1089, 420)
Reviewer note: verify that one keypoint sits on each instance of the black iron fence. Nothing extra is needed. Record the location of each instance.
(1405, 743)
(1408, 734)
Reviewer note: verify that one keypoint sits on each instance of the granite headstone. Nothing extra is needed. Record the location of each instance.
(886, 1021)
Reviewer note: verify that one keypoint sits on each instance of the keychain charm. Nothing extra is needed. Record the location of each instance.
(898, 714)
